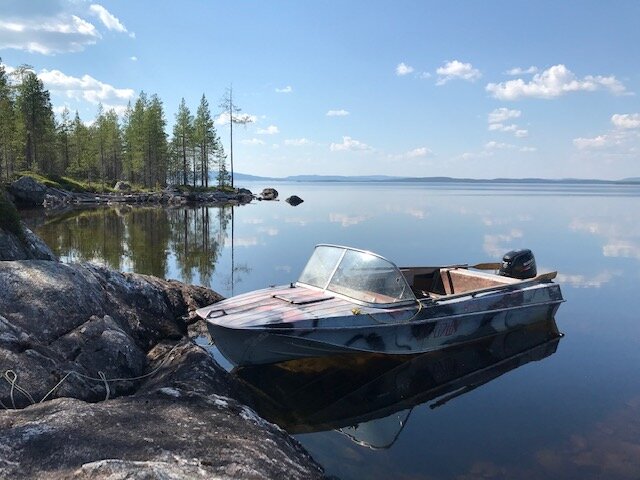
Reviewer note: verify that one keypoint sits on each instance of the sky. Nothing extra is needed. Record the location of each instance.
(469, 89)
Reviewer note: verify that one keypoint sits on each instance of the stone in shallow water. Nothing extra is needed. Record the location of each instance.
(294, 200)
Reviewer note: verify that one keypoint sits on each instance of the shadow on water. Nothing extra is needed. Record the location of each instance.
(370, 397)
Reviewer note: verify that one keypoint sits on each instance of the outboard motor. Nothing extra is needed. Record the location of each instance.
(520, 264)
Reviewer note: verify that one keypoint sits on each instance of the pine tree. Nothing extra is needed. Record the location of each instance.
(81, 157)
(35, 113)
(7, 126)
(205, 139)
(183, 136)
(157, 149)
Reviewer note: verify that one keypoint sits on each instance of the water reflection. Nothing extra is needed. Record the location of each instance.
(571, 416)
(369, 397)
(140, 239)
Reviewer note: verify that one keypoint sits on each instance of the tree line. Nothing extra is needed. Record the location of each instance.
(134, 148)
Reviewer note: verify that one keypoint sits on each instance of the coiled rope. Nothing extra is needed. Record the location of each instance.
(11, 377)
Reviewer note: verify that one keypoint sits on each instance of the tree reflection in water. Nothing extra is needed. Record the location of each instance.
(141, 239)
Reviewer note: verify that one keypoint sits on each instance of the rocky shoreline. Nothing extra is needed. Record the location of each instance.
(69, 331)
(28, 192)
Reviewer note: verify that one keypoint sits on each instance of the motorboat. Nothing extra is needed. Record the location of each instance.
(369, 397)
(348, 300)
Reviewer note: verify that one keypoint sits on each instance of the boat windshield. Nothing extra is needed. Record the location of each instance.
(357, 274)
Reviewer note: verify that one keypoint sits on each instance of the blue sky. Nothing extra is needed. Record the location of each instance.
(423, 88)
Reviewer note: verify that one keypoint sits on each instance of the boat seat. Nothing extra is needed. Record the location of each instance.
(460, 280)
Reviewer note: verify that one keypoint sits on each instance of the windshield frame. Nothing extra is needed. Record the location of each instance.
(326, 287)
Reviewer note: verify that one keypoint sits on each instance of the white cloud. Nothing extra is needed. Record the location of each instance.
(58, 109)
(349, 144)
(493, 145)
(419, 152)
(501, 127)
(528, 149)
(119, 109)
(403, 69)
(107, 18)
(620, 141)
(270, 130)
(286, 89)
(60, 33)
(53, 26)
(522, 71)
(457, 70)
(85, 88)
(500, 115)
(297, 142)
(554, 82)
(243, 119)
(626, 120)
(587, 143)
(133, 59)
(253, 141)
(337, 113)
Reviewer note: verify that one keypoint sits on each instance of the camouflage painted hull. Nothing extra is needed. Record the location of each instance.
(284, 323)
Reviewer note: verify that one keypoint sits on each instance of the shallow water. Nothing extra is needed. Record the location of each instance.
(572, 411)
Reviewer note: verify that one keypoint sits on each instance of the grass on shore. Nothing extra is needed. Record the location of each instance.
(78, 186)
(66, 183)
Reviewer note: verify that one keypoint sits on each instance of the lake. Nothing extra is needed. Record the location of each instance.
(525, 406)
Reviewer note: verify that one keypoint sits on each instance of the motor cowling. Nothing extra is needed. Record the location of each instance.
(519, 264)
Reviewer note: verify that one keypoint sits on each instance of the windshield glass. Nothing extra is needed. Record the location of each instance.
(359, 275)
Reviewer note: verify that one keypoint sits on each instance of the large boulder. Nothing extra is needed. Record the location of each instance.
(100, 381)
(28, 192)
(182, 425)
(269, 194)
(85, 318)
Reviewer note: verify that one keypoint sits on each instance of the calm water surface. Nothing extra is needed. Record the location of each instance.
(525, 406)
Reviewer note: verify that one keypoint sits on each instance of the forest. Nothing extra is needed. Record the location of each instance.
(134, 148)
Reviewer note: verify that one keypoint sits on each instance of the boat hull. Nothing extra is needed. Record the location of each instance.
(453, 326)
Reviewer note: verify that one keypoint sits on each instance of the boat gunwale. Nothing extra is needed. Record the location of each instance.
(269, 328)
(542, 279)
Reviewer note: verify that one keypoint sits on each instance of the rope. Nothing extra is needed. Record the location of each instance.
(12, 378)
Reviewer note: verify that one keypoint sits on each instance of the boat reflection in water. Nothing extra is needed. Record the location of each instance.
(370, 397)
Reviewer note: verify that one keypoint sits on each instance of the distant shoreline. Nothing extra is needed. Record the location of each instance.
(433, 180)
